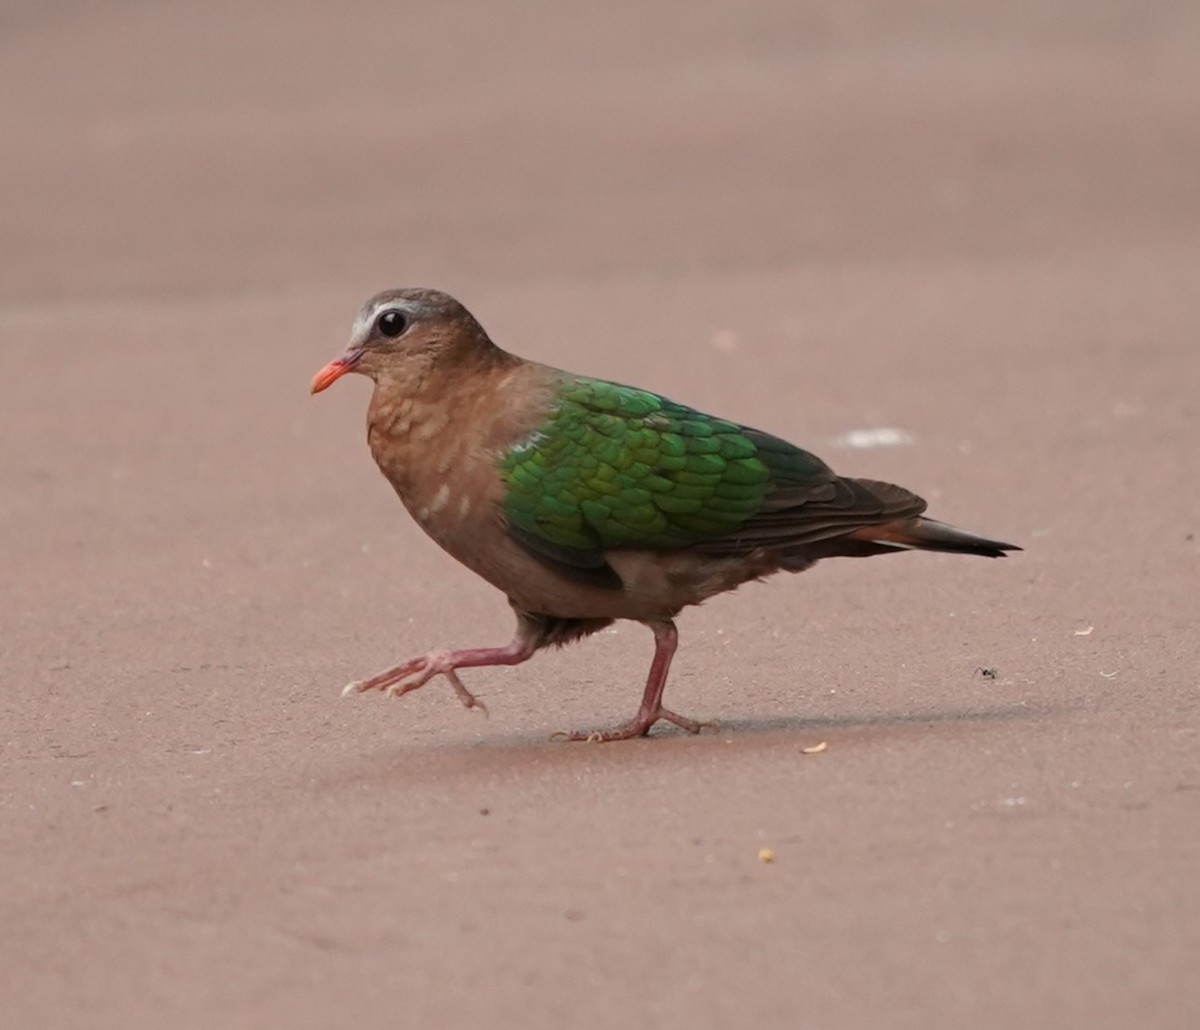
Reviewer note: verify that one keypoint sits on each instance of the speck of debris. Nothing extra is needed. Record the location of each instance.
(874, 436)
(986, 672)
(485, 811)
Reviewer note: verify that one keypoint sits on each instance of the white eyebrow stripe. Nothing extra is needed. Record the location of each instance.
(367, 316)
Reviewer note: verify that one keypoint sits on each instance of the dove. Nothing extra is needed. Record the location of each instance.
(586, 501)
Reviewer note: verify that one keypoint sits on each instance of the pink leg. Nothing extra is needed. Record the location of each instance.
(666, 639)
(416, 672)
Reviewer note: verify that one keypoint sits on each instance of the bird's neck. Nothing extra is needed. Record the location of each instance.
(440, 420)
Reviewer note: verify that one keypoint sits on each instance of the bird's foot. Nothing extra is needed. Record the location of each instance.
(416, 672)
(638, 726)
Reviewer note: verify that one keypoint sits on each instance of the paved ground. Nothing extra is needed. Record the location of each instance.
(976, 223)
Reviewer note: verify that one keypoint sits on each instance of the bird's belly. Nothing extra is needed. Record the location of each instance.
(533, 586)
(657, 585)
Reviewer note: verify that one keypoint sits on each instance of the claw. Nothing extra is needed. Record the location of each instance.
(468, 699)
(416, 672)
(638, 726)
(396, 689)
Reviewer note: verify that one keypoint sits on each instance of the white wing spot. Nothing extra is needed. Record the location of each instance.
(529, 443)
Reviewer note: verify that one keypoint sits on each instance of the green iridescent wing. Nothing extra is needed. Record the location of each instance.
(618, 467)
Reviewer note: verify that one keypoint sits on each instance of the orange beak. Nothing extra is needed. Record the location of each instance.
(337, 368)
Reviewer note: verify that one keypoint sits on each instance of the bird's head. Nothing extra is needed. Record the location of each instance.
(404, 333)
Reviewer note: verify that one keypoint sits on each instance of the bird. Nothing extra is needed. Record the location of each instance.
(587, 501)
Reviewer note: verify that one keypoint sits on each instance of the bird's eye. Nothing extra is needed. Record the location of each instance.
(391, 323)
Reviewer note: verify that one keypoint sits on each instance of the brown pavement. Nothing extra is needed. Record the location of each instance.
(976, 224)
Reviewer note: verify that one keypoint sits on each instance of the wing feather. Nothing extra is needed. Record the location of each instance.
(614, 467)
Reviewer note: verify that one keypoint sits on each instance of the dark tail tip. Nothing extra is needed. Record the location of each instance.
(924, 534)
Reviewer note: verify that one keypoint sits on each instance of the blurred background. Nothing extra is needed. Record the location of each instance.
(184, 150)
(974, 225)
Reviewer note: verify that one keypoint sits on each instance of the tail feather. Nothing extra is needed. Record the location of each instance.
(922, 534)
